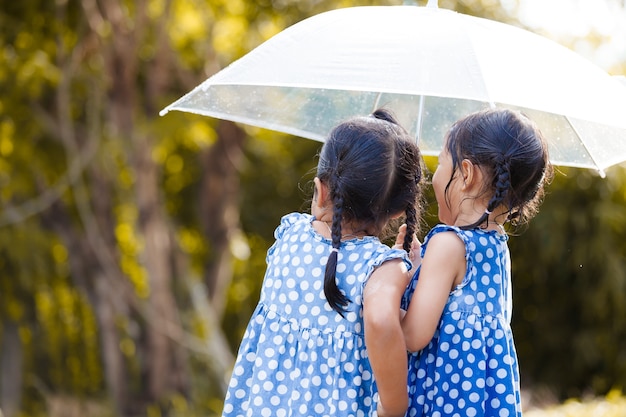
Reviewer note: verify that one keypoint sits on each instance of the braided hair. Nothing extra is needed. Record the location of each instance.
(513, 155)
(373, 170)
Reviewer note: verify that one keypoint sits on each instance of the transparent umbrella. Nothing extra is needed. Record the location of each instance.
(431, 66)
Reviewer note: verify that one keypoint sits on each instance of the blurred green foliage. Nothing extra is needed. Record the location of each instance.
(612, 405)
(569, 270)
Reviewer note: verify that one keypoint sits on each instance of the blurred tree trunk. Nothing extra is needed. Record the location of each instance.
(164, 374)
(91, 241)
(219, 203)
(11, 366)
(101, 282)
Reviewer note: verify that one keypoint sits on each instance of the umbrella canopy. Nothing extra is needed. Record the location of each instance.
(431, 67)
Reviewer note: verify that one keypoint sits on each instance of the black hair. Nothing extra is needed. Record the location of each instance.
(373, 170)
(512, 153)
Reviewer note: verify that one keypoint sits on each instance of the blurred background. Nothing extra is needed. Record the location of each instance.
(132, 246)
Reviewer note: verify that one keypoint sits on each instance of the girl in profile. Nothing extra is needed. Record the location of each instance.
(492, 171)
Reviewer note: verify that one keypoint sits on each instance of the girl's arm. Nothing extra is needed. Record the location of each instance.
(383, 335)
(443, 268)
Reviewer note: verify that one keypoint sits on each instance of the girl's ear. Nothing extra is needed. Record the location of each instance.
(472, 175)
(320, 194)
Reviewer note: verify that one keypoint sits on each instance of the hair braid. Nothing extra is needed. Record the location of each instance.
(411, 227)
(335, 297)
(502, 185)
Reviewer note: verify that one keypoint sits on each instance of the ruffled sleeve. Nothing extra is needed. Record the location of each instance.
(287, 222)
(387, 256)
(394, 254)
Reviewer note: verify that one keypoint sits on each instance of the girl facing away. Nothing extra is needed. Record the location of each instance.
(325, 338)
(492, 170)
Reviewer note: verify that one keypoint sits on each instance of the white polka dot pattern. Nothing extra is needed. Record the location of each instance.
(470, 366)
(299, 357)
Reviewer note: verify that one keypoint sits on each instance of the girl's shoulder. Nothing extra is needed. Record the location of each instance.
(464, 234)
(440, 228)
(444, 228)
(470, 238)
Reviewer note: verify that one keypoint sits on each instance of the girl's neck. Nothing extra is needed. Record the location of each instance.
(495, 221)
(494, 225)
(490, 225)
(324, 227)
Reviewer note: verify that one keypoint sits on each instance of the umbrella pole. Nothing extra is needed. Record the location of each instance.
(376, 102)
(418, 123)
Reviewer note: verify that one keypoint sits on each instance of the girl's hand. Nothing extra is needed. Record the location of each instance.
(416, 246)
(400, 238)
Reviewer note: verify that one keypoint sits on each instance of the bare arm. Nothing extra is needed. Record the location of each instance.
(443, 267)
(383, 335)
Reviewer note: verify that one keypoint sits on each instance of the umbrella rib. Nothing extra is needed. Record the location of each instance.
(600, 170)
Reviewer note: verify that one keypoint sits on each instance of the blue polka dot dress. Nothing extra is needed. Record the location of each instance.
(298, 357)
(470, 366)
